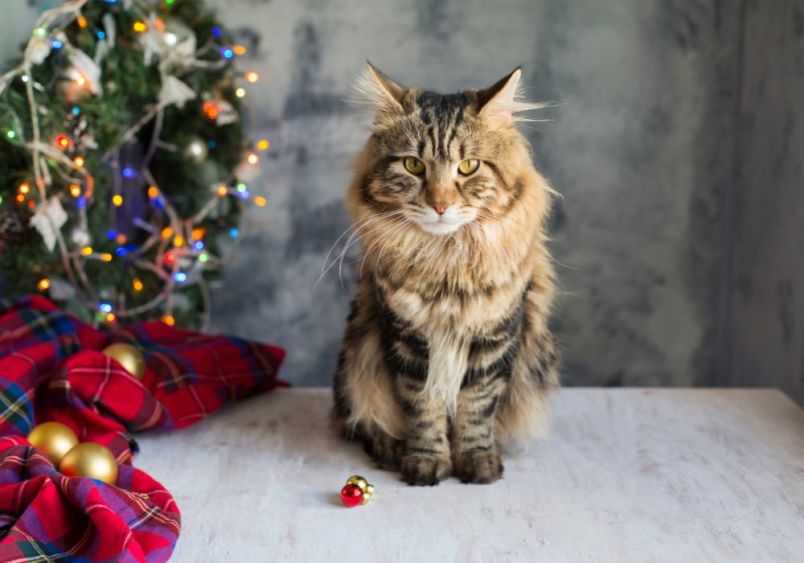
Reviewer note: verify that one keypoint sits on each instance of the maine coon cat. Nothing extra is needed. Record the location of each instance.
(447, 353)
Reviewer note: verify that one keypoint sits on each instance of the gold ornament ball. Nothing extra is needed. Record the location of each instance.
(90, 460)
(129, 357)
(368, 493)
(359, 481)
(54, 439)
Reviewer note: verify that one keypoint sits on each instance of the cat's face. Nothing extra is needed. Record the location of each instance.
(439, 160)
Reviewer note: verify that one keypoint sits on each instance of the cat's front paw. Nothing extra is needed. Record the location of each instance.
(425, 469)
(479, 467)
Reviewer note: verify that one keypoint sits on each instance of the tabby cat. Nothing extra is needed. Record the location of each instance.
(447, 353)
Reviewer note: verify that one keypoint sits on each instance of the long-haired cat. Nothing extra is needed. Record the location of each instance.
(447, 353)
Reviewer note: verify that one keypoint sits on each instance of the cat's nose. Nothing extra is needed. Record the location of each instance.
(440, 208)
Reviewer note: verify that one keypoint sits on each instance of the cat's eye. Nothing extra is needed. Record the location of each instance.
(413, 165)
(469, 166)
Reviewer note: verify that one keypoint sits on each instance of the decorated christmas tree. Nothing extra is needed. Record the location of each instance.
(123, 160)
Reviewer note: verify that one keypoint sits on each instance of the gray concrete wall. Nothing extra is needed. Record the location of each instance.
(767, 291)
(679, 248)
(640, 146)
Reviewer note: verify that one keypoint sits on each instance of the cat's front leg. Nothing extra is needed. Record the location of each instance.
(427, 450)
(475, 450)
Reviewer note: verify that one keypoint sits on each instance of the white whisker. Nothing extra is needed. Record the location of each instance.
(355, 229)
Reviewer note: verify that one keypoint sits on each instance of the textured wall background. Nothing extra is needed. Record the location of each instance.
(766, 323)
(640, 147)
(657, 216)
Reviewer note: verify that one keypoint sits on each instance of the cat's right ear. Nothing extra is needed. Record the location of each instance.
(376, 89)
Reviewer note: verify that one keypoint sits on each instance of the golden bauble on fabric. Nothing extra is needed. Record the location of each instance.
(90, 460)
(53, 439)
(129, 357)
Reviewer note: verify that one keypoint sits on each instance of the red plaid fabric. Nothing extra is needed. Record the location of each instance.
(51, 369)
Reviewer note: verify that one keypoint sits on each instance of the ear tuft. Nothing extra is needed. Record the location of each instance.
(376, 90)
(500, 103)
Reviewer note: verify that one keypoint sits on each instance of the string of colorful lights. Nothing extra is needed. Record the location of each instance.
(167, 252)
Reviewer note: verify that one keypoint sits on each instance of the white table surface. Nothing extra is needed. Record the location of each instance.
(627, 475)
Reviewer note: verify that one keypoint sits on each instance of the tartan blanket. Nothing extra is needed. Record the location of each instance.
(51, 369)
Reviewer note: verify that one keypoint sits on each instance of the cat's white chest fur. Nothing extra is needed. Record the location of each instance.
(447, 362)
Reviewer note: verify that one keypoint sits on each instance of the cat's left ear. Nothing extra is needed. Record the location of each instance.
(498, 103)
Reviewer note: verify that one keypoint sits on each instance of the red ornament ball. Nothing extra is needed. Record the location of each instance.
(351, 495)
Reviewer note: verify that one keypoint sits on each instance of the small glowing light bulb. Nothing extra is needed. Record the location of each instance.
(75, 190)
(211, 110)
(178, 241)
(140, 26)
(263, 144)
(110, 317)
(79, 162)
(106, 257)
(86, 251)
(167, 232)
(260, 201)
(168, 320)
(117, 200)
(222, 190)
(239, 50)
(240, 92)
(252, 158)
(137, 285)
(252, 77)
(62, 141)
(24, 188)
(153, 192)
(43, 285)
(82, 22)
